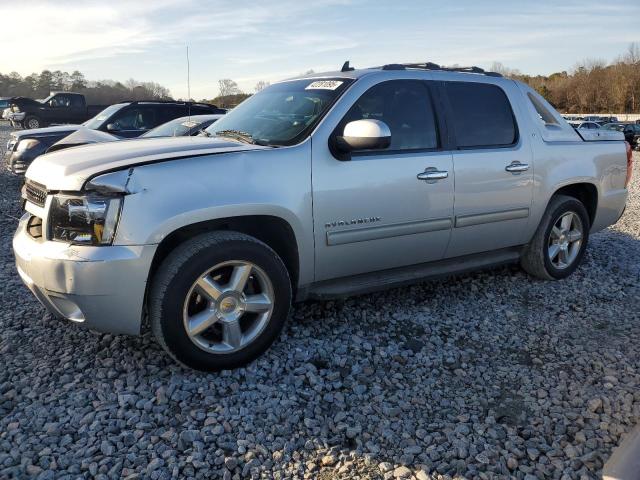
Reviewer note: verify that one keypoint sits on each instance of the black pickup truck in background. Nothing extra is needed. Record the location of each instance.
(57, 108)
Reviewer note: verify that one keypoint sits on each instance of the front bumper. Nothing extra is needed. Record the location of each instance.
(16, 116)
(17, 161)
(102, 288)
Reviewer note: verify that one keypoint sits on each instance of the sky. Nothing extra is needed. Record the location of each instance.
(276, 39)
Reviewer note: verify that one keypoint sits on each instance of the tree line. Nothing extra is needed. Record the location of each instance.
(593, 86)
(102, 92)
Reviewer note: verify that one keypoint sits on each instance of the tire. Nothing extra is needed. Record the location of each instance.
(217, 261)
(537, 257)
(31, 121)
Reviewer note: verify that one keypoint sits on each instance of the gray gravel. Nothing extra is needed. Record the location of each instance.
(488, 375)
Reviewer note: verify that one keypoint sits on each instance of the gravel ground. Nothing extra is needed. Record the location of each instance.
(487, 375)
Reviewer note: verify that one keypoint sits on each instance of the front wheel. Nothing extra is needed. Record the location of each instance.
(559, 244)
(219, 300)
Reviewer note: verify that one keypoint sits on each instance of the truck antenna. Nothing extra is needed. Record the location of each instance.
(188, 86)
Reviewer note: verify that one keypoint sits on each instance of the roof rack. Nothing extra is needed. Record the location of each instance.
(179, 102)
(435, 66)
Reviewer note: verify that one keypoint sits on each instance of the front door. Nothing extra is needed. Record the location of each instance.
(372, 212)
(494, 169)
(133, 121)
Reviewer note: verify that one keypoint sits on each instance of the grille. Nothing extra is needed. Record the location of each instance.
(35, 193)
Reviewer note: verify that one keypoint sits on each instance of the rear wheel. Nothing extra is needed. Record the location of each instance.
(558, 246)
(219, 301)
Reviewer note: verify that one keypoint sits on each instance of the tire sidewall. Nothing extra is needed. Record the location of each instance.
(578, 208)
(172, 325)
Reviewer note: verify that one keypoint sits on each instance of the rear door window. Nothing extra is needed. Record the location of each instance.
(76, 101)
(171, 112)
(482, 115)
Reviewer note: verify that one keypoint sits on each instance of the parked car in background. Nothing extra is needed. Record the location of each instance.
(183, 127)
(600, 119)
(5, 107)
(5, 102)
(213, 237)
(608, 119)
(125, 120)
(588, 125)
(180, 127)
(57, 108)
(631, 131)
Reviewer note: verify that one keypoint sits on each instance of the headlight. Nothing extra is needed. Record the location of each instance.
(26, 144)
(89, 219)
(16, 109)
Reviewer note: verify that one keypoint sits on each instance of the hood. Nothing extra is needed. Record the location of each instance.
(44, 132)
(23, 101)
(83, 136)
(70, 168)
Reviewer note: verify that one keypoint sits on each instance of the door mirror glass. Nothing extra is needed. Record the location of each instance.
(113, 127)
(365, 134)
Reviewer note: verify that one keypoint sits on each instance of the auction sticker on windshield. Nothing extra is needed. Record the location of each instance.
(324, 85)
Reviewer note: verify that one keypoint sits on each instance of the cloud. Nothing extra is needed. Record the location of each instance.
(249, 41)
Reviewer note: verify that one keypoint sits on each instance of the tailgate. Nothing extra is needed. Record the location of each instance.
(597, 135)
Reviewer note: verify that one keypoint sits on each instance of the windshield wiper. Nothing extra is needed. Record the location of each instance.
(236, 135)
(242, 136)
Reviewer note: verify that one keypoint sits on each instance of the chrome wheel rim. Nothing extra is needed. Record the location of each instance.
(228, 306)
(33, 123)
(565, 240)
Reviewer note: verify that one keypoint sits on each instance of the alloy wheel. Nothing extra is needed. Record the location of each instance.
(565, 240)
(228, 307)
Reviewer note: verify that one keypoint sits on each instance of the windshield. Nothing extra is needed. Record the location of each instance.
(95, 122)
(174, 128)
(282, 114)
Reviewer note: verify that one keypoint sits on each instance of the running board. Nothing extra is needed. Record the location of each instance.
(396, 277)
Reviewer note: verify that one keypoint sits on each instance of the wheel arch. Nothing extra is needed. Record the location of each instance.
(585, 192)
(274, 231)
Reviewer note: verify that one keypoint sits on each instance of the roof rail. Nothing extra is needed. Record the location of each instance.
(179, 102)
(435, 66)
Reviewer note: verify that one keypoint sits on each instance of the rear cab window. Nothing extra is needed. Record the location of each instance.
(481, 115)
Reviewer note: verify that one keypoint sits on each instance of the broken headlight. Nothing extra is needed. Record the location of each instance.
(89, 219)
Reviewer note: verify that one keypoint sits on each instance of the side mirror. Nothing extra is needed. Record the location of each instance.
(113, 127)
(364, 135)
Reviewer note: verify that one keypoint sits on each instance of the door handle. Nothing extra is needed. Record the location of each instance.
(432, 174)
(517, 167)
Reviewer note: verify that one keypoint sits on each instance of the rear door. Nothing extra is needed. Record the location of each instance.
(493, 166)
(77, 109)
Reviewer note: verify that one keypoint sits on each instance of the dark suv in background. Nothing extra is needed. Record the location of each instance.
(631, 131)
(126, 120)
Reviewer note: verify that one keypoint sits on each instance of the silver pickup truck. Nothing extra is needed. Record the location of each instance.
(324, 185)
